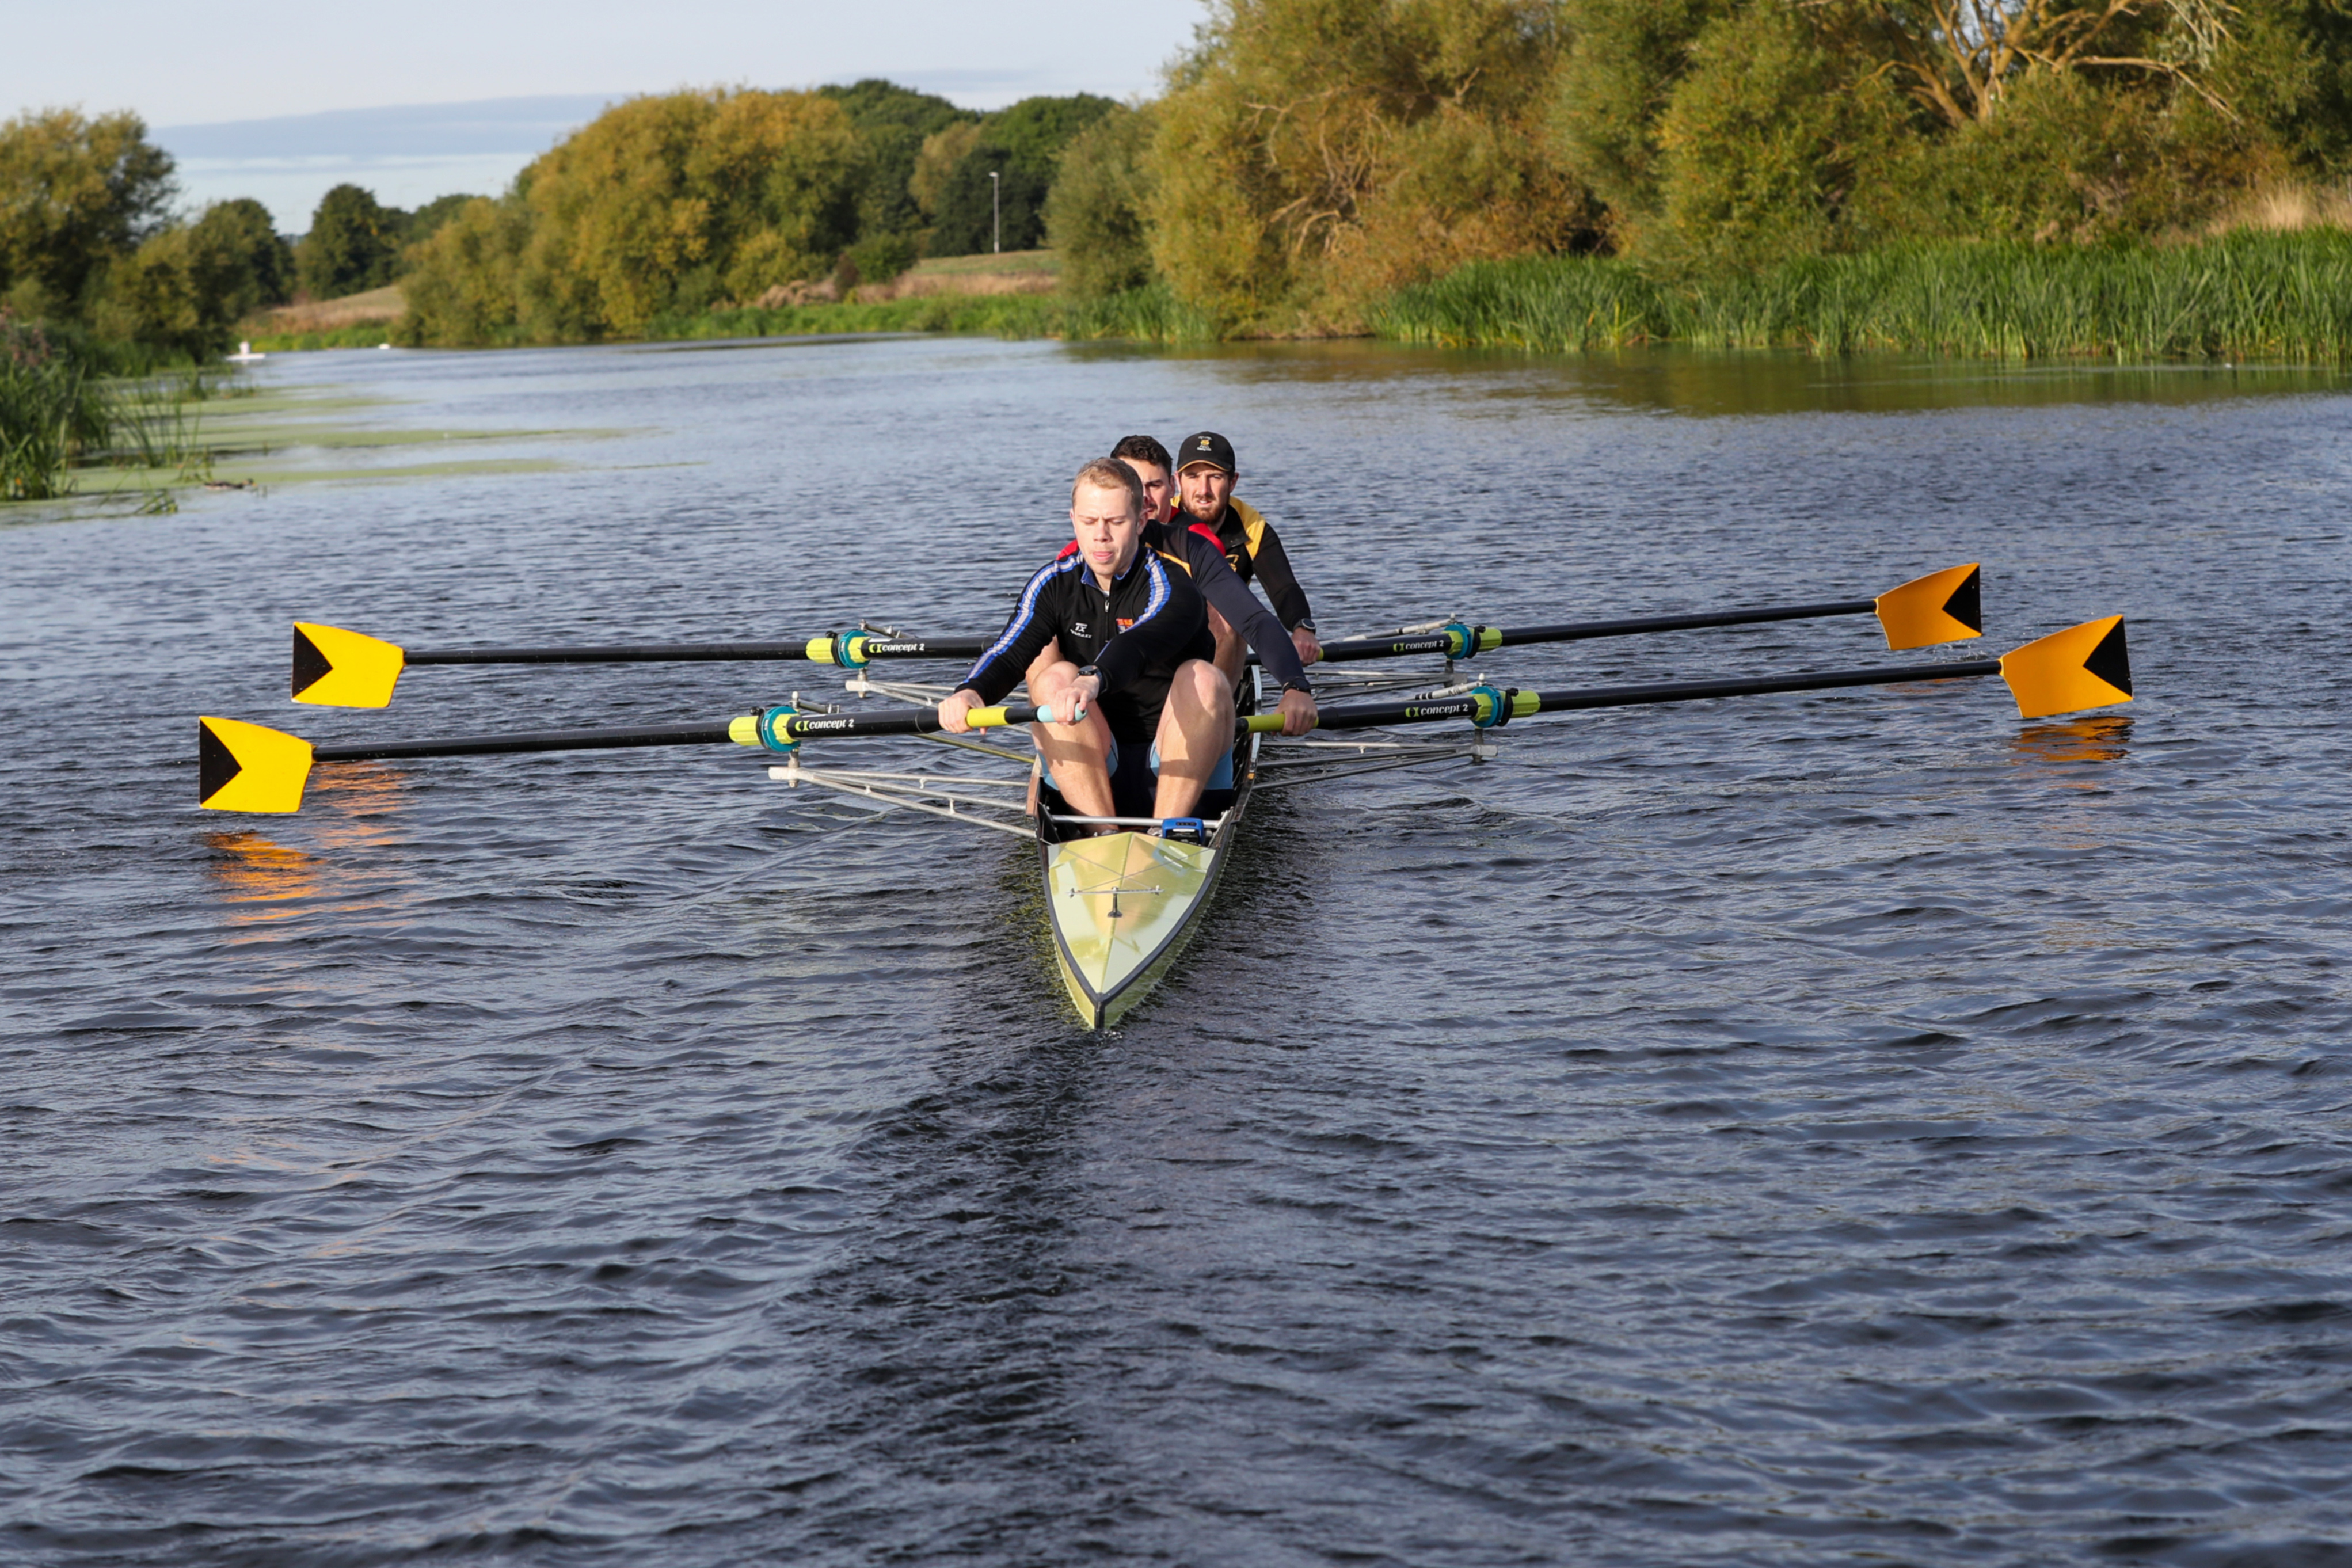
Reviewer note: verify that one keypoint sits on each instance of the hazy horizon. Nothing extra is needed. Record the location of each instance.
(238, 94)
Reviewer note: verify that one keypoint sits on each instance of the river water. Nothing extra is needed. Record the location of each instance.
(1860, 1128)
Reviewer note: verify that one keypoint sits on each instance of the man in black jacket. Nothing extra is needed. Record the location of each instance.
(1135, 687)
(1205, 475)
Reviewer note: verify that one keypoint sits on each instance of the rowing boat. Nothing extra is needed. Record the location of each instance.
(1123, 904)
(1124, 894)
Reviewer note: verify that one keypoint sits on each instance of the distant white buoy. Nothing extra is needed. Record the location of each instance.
(245, 354)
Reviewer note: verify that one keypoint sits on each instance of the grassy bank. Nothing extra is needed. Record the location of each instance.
(2244, 294)
(1149, 314)
(367, 336)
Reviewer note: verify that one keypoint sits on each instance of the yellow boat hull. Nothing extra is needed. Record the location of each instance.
(1122, 906)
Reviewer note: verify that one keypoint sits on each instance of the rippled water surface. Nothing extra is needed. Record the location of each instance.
(1851, 1129)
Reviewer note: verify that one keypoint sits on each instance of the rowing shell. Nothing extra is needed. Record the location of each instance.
(1122, 905)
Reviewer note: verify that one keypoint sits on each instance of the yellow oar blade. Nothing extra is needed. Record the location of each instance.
(250, 767)
(1942, 607)
(2082, 667)
(336, 669)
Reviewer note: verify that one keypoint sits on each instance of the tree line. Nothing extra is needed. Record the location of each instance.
(93, 252)
(1310, 157)
(1307, 160)
(676, 204)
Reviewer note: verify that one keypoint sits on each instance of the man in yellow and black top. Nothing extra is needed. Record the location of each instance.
(1206, 473)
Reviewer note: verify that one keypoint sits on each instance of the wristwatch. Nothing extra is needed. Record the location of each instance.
(1298, 686)
(1306, 624)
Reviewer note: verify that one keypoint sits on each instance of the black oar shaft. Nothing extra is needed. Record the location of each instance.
(540, 741)
(696, 653)
(1358, 716)
(797, 727)
(1579, 631)
(1441, 641)
(626, 653)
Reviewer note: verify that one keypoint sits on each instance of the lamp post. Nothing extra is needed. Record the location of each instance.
(995, 216)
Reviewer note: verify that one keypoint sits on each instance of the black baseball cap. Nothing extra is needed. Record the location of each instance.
(1208, 447)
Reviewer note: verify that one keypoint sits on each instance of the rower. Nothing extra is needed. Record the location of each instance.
(1199, 551)
(1148, 698)
(1205, 475)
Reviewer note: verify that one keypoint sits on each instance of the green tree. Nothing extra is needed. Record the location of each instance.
(941, 152)
(264, 266)
(1314, 153)
(2286, 70)
(76, 195)
(975, 210)
(352, 246)
(1620, 67)
(427, 221)
(666, 204)
(1099, 214)
(1023, 145)
(895, 123)
(181, 291)
(463, 286)
(1765, 140)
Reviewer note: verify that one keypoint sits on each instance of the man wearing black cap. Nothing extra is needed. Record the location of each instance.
(1205, 472)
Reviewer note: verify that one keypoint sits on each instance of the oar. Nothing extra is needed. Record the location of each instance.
(250, 767)
(1942, 607)
(2086, 666)
(338, 668)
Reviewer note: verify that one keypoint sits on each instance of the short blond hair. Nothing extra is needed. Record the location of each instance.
(1110, 474)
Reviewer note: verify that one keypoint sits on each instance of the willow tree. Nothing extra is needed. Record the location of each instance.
(676, 202)
(1312, 153)
(1960, 58)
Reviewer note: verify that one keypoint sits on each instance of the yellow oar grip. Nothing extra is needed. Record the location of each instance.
(1262, 724)
(987, 719)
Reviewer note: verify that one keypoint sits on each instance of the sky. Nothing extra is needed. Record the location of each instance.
(260, 98)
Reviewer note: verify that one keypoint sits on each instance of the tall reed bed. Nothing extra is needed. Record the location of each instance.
(59, 414)
(2246, 295)
(52, 411)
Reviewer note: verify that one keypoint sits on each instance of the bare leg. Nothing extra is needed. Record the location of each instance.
(1231, 649)
(1196, 728)
(1077, 755)
(1045, 661)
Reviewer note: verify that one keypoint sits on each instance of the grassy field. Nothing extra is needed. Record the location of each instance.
(2247, 295)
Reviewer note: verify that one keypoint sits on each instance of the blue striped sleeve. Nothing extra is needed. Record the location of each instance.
(1006, 661)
